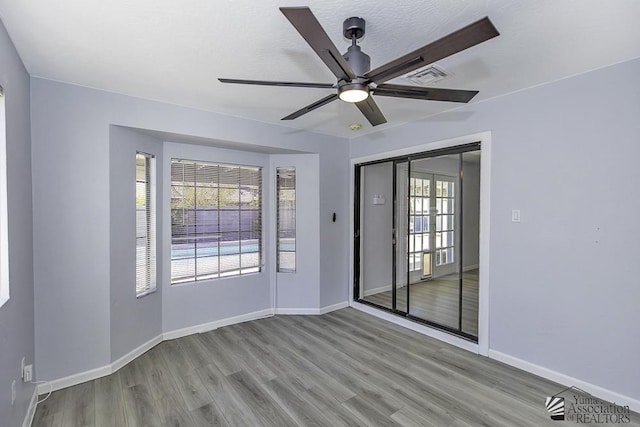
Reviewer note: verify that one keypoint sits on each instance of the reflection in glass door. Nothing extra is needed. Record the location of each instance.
(417, 237)
(445, 215)
(420, 225)
(376, 244)
(435, 297)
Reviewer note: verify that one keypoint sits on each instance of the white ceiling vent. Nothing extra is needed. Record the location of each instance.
(427, 75)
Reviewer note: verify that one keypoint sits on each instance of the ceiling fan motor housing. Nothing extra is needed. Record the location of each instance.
(358, 60)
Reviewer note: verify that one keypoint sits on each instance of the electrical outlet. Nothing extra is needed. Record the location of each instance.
(13, 392)
(27, 374)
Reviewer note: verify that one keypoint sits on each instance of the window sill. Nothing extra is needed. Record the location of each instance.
(215, 279)
(149, 292)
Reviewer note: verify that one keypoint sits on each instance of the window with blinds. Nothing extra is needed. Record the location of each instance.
(216, 220)
(145, 225)
(286, 221)
(4, 228)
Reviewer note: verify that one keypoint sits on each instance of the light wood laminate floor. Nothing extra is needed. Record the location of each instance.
(345, 368)
(437, 300)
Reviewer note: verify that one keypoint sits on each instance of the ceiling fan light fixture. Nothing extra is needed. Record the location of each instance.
(353, 92)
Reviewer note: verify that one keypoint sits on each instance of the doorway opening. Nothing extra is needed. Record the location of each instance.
(416, 247)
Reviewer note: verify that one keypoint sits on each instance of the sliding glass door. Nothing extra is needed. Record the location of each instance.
(417, 225)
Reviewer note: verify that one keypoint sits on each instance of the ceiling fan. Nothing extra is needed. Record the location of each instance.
(357, 82)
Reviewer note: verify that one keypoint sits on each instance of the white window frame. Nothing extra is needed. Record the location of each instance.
(445, 248)
(4, 222)
(416, 252)
(150, 214)
(280, 251)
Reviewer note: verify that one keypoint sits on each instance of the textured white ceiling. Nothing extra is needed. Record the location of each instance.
(174, 51)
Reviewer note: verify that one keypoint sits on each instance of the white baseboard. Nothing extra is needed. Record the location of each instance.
(119, 363)
(334, 307)
(103, 371)
(210, 326)
(368, 292)
(31, 411)
(311, 311)
(387, 288)
(566, 380)
(60, 383)
(298, 311)
(471, 267)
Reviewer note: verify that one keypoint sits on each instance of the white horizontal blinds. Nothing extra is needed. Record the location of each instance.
(4, 228)
(183, 202)
(216, 220)
(250, 219)
(145, 225)
(286, 221)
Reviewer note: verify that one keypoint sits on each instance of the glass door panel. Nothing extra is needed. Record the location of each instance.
(434, 288)
(470, 240)
(376, 234)
(403, 226)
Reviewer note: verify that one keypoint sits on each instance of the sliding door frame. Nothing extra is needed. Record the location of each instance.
(454, 145)
(456, 150)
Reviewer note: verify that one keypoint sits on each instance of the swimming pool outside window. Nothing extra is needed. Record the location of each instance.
(216, 220)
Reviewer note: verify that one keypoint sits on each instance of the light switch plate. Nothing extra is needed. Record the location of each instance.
(378, 199)
(515, 215)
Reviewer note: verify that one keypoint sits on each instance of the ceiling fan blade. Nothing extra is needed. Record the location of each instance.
(271, 83)
(370, 109)
(311, 107)
(310, 29)
(455, 42)
(425, 93)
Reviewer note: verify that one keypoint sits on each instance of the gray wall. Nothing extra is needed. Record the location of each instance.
(334, 198)
(564, 282)
(70, 156)
(71, 125)
(16, 315)
(133, 321)
(301, 289)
